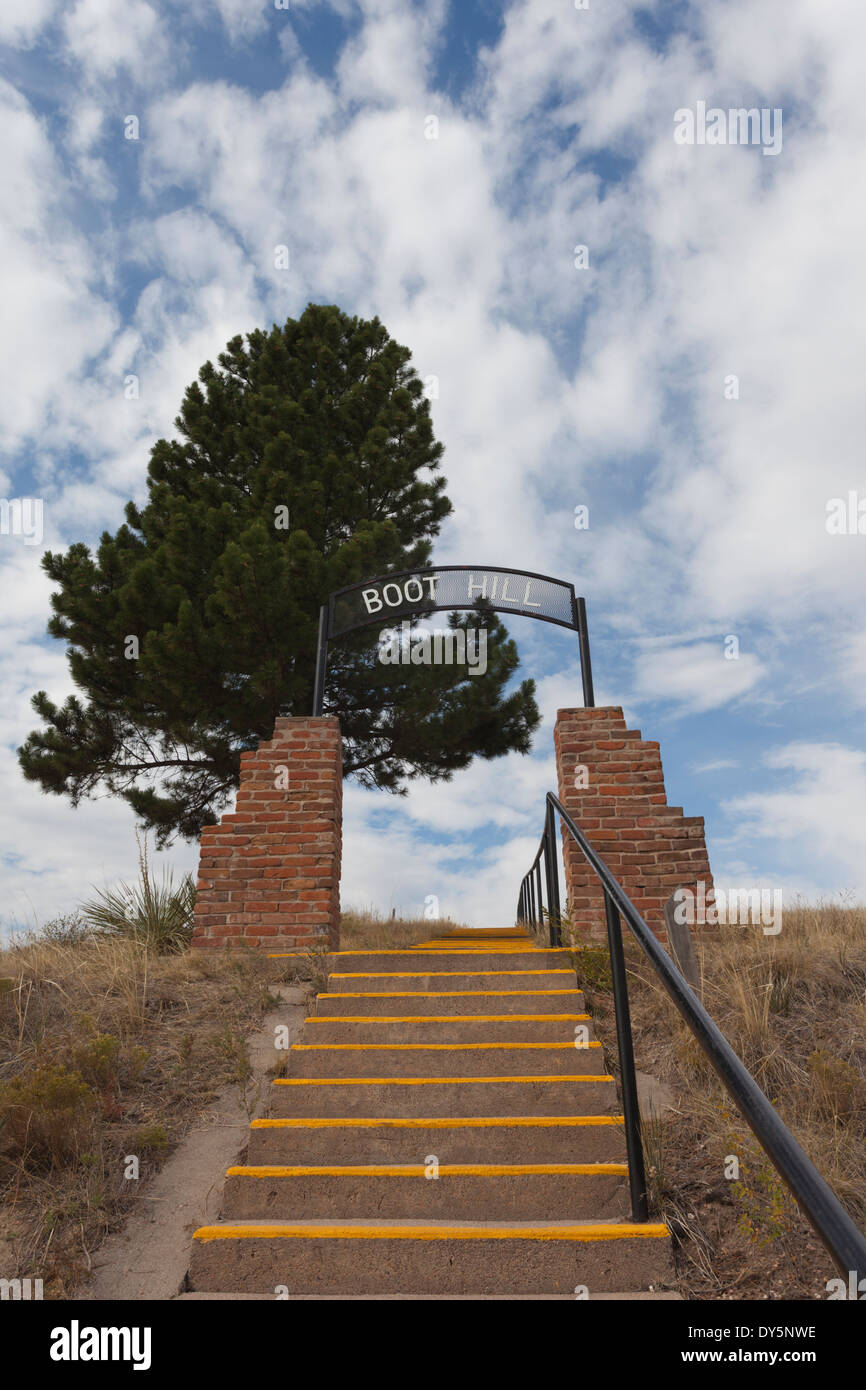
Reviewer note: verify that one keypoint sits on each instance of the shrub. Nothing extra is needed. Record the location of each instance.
(46, 1113)
(148, 1139)
(839, 1091)
(69, 929)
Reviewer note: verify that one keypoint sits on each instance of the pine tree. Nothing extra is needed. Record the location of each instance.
(305, 461)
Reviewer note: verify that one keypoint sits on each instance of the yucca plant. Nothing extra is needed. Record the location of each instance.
(159, 914)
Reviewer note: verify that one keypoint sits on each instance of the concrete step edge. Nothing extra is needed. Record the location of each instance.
(440, 1122)
(430, 1080)
(404, 1170)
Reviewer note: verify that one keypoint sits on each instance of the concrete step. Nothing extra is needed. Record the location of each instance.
(445, 1059)
(629, 1296)
(425, 1191)
(415, 981)
(355, 1257)
(437, 958)
(468, 1139)
(580, 1093)
(450, 1028)
(399, 1002)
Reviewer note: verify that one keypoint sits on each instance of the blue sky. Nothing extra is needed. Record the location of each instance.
(558, 386)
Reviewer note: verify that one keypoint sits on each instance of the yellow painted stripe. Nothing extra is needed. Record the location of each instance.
(439, 993)
(445, 1170)
(442, 950)
(446, 1018)
(420, 1080)
(433, 974)
(591, 1231)
(478, 952)
(431, 1047)
(438, 1122)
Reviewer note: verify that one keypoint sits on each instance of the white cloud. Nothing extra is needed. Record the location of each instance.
(557, 386)
(817, 818)
(57, 320)
(22, 20)
(696, 677)
(403, 864)
(244, 19)
(105, 37)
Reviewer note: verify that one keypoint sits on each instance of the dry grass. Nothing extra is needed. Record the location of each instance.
(793, 1007)
(108, 1049)
(365, 929)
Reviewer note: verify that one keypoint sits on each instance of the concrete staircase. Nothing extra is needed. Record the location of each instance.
(439, 1135)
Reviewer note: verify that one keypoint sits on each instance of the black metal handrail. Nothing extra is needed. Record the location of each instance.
(832, 1223)
(529, 902)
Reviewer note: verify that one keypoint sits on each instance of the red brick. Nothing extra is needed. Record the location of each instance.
(275, 860)
(651, 847)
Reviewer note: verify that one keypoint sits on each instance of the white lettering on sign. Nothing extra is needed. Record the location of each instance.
(372, 600)
(479, 587)
(395, 595)
(482, 587)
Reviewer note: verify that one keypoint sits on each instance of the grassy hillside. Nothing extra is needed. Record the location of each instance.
(793, 1007)
(111, 1049)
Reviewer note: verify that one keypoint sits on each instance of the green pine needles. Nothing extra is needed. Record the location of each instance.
(305, 460)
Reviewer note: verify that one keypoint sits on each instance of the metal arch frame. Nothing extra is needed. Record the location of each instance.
(453, 607)
(578, 622)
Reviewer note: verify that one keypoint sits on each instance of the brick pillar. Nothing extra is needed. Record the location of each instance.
(269, 875)
(652, 848)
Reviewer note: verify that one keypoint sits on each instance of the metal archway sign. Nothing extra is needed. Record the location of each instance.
(450, 588)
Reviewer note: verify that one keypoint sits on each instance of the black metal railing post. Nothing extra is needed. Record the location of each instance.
(321, 661)
(844, 1241)
(549, 881)
(553, 909)
(538, 893)
(625, 1046)
(585, 663)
